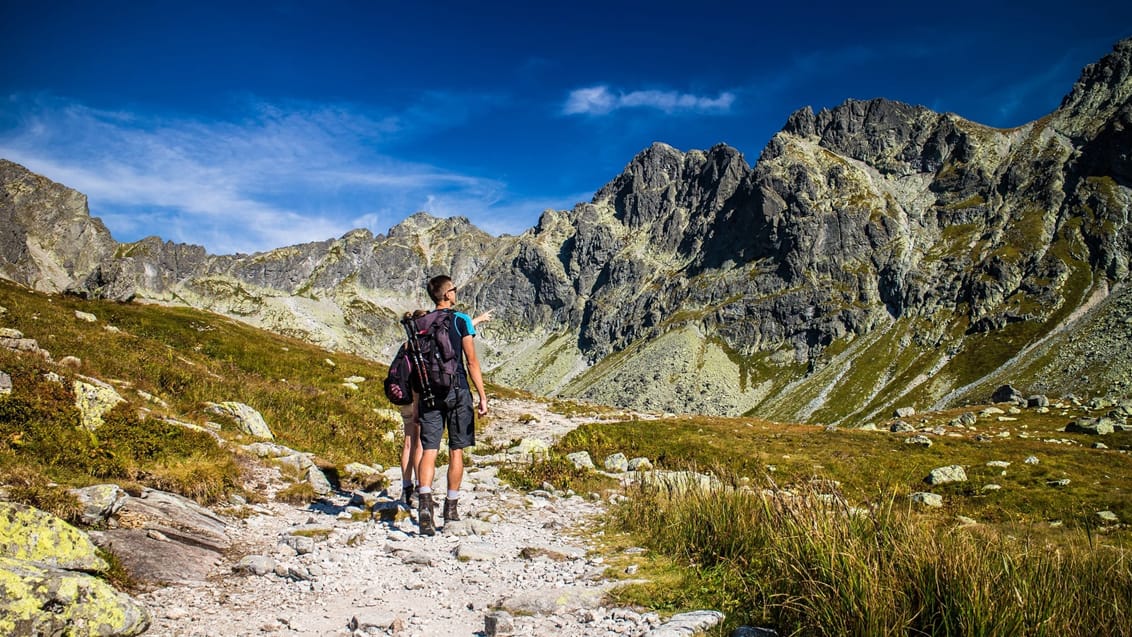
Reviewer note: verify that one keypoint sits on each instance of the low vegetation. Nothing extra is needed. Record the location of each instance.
(168, 363)
(815, 533)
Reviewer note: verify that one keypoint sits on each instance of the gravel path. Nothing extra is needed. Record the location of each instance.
(339, 576)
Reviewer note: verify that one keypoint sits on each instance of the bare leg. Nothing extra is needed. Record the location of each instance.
(426, 470)
(455, 469)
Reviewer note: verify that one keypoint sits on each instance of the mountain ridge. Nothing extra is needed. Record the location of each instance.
(928, 246)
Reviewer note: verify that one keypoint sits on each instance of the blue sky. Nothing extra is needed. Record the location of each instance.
(245, 126)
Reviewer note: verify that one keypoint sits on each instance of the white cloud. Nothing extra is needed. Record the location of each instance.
(600, 100)
(281, 175)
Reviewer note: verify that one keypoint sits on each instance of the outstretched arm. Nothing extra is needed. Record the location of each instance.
(486, 316)
(469, 345)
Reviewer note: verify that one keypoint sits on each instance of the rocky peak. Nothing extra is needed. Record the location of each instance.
(1103, 88)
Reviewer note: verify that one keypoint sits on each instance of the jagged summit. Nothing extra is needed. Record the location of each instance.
(877, 253)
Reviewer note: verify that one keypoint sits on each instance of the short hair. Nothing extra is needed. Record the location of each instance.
(436, 287)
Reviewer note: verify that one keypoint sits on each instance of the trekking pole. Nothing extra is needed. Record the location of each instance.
(427, 397)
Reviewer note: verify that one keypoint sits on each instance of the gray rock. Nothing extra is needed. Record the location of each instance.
(1007, 394)
(901, 427)
(1037, 400)
(380, 620)
(498, 622)
(932, 500)
(302, 544)
(467, 527)
(93, 400)
(947, 475)
(640, 464)
(1108, 517)
(968, 418)
(5, 383)
(687, 624)
(919, 441)
(255, 565)
(616, 463)
(753, 631)
(246, 418)
(546, 601)
(905, 412)
(1032, 460)
(318, 481)
(581, 459)
(476, 552)
(1092, 426)
(99, 502)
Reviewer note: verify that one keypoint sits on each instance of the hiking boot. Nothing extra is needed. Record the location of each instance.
(450, 513)
(407, 495)
(424, 514)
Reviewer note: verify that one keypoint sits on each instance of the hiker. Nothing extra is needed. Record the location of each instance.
(454, 412)
(411, 451)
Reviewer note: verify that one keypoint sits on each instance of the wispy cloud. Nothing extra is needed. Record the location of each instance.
(278, 175)
(601, 100)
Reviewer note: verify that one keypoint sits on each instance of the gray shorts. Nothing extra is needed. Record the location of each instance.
(458, 419)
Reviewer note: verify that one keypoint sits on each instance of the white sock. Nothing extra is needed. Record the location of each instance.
(424, 489)
(453, 495)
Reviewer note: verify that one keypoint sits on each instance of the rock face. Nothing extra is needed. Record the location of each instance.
(877, 255)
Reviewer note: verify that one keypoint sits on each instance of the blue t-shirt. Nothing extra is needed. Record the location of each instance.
(461, 327)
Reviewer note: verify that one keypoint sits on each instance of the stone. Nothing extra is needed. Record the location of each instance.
(354, 379)
(99, 502)
(246, 418)
(45, 600)
(581, 459)
(94, 400)
(998, 464)
(546, 601)
(255, 565)
(1037, 401)
(616, 463)
(1091, 426)
(1007, 394)
(476, 552)
(931, 500)
(318, 481)
(358, 469)
(498, 622)
(680, 481)
(1031, 460)
(640, 464)
(376, 620)
(1108, 517)
(968, 418)
(71, 361)
(901, 427)
(696, 622)
(85, 316)
(905, 412)
(31, 535)
(1063, 482)
(533, 447)
(947, 475)
(919, 441)
(5, 383)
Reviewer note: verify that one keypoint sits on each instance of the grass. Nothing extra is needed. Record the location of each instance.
(185, 358)
(804, 566)
(827, 542)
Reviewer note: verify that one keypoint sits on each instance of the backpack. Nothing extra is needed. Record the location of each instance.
(432, 341)
(399, 381)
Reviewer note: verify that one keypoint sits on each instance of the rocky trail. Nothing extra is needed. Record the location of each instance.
(517, 563)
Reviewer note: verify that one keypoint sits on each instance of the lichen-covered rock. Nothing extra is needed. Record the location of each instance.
(616, 463)
(28, 534)
(581, 459)
(247, 418)
(42, 600)
(5, 383)
(93, 400)
(99, 501)
(947, 475)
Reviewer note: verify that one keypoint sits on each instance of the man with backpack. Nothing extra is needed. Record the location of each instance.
(451, 408)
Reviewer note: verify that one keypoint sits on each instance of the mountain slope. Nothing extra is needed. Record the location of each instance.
(877, 254)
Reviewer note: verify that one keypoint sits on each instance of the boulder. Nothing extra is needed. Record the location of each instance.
(99, 502)
(247, 419)
(581, 459)
(41, 600)
(93, 400)
(905, 412)
(931, 500)
(1092, 426)
(947, 475)
(31, 535)
(640, 464)
(547, 601)
(86, 316)
(696, 622)
(616, 463)
(901, 427)
(1007, 394)
(919, 441)
(1037, 400)
(318, 481)
(5, 383)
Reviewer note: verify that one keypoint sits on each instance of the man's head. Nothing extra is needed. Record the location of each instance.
(441, 288)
